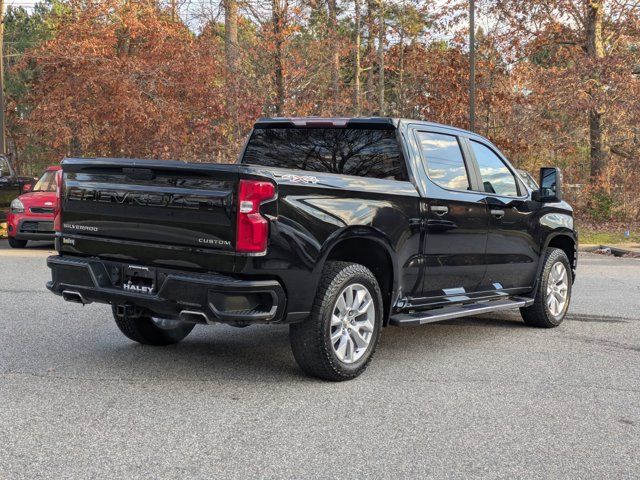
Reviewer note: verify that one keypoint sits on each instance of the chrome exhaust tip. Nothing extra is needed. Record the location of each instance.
(192, 316)
(74, 297)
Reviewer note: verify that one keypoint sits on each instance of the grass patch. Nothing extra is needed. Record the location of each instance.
(599, 237)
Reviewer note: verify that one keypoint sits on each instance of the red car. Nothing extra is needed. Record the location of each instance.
(31, 214)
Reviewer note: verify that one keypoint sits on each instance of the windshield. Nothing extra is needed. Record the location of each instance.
(47, 182)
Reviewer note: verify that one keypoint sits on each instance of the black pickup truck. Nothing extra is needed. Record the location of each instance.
(337, 227)
(11, 185)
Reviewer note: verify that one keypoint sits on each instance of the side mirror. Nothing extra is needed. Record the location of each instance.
(550, 186)
(25, 185)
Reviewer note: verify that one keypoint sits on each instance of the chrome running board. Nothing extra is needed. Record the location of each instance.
(456, 311)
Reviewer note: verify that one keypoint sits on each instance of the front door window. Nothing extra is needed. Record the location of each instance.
(496, 177)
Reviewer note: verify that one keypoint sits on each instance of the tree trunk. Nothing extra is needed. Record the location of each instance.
(358, 68)
(231, 56)
(595, 49)
(335, 52)
(279, 12)
(75, 146)
(401, 102)
(231, 34)
(381, 35)
(3, 146)
(598, 153)
(369, 55)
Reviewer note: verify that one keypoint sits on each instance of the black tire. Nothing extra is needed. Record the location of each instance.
(539, 315)
(15, 243)
(144, 330)
(311, 339)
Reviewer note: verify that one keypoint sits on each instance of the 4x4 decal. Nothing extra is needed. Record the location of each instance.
(300, 179)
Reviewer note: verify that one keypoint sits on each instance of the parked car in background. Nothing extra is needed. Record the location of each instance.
(11, 185)
(30, 215)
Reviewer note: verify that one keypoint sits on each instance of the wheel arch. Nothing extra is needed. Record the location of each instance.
(567, 242)
(369, 248)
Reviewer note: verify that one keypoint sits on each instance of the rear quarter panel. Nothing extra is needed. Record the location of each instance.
(316, 211)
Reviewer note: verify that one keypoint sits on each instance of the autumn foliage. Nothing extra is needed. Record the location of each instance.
(128, 82)
(557, 80)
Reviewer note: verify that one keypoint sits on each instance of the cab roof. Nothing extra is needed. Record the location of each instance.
(328, 122)
(357, 122)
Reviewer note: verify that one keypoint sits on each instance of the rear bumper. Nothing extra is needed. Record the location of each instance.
(192, 297)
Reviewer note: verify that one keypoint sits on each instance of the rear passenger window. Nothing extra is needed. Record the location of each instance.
(496, 177)
(350, 151)
(445, 163)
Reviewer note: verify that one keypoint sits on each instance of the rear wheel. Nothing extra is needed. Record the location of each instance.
(553, 294)
(338, 340)
(15, 243)
(150, 330)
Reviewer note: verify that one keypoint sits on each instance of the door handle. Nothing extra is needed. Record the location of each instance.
(439, 210)
(497, 213)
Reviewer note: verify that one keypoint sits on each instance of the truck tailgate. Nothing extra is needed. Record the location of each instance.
(155, 202)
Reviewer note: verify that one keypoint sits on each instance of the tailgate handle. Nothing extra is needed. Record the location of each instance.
(139, 173)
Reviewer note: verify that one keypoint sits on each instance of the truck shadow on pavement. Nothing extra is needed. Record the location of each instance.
(262, 353)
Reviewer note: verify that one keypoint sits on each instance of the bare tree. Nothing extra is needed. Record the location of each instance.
(231, 56)
(595, 50)
(381, 35)
(357, 67)
(335, 51)
(370, 52)
(401, 94)
(280, 9)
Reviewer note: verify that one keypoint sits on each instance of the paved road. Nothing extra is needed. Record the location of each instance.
(484, 398)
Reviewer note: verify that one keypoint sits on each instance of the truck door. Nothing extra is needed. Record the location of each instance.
(512, 252)
(455, 217)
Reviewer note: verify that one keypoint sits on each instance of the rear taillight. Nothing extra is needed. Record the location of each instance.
(253, 228)
(57, 209)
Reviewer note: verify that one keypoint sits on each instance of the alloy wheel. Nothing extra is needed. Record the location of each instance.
(352, 323)
(557, 289)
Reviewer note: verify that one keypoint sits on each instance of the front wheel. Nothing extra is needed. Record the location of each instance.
(553, 294)
(15, 243)
(150, 330)
(338, 340)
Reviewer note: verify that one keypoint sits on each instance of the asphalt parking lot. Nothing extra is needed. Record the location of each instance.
(471, 398)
